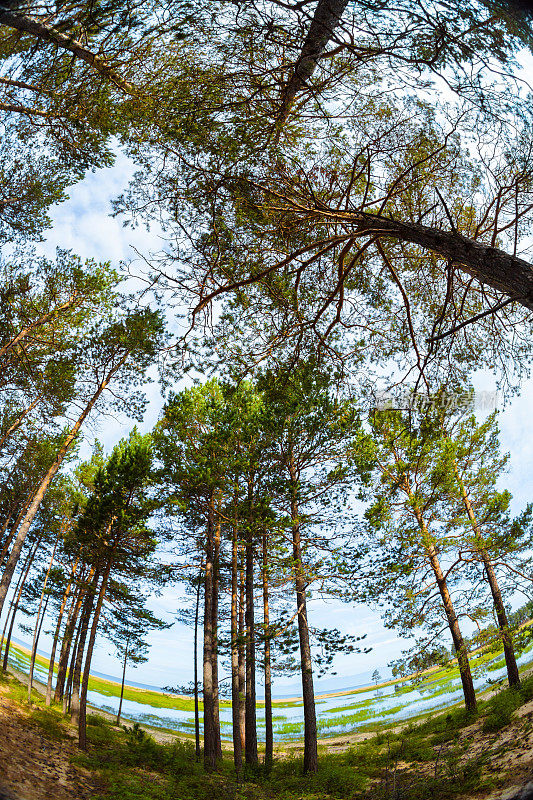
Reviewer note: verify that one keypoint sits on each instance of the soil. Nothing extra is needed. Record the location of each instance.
(34, 766)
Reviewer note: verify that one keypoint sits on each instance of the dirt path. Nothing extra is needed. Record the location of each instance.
(34, 766)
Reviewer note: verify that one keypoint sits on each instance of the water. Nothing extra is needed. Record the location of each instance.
(335, 715)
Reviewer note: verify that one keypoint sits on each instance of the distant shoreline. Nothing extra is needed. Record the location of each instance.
(275, 700)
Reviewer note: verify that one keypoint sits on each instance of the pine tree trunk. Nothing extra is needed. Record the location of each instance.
(235, 701)
(210, 753)
(66, 595)
(513, 675)
(20, 419)
(250, 732)
(451, 616)
(458, 642)
(45, 483)
(196, 703)
(37, 637)
(82, 716)
(67, 694)
(15, 526)
(308, 693)
(214, 629)
(269, 736)
(83, 630)
(5, 523)
(242, 655)
(38, 622)
(70, 627)
(119, 712)
(325, 19)
(13, 607)
(9, 537)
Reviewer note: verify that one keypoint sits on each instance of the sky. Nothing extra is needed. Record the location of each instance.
(83, 224)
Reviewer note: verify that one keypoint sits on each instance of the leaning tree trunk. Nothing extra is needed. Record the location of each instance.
(196, 703)
(70, 628)
(308, 692)
(214, 629)
(82, 717)
(18, 520)
(513, 675)
(242, 653)
(210, 751)
(37, 635)
(269, 736)
(19, 420)
(66, 595)
(451, 616)
(38, 622)
(325, 19)
(47, 480)
(237, 750)
(16, 600)
(83, 630)
(250, 728)
(119, 712)
(67, 694)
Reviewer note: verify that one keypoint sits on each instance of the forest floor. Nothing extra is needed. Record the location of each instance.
(451, 755)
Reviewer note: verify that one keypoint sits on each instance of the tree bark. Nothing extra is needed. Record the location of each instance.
(38, 622)
(242, 654)
(308, 693)
(214, 629)
(196, 703)
(250, 731)
(70, 627)
(82, 717)
(269, 735)
(19, 420)
(67, 694)
(66, 595)
(451, 616)
(27, 24)
(83, 630)
(210, 753)
(235, 700)
(16, 600)
(122, 684)
(507, 273)
(44, 318)
(15, 526)
(325, 19)
(46, 481)
(513, 674)
(35, 646)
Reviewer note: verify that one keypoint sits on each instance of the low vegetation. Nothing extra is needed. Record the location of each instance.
(448, 755)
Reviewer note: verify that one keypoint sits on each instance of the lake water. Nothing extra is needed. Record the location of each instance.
(335, 715)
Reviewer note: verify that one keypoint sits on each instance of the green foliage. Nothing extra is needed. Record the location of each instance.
(50, 722)
(501, 707)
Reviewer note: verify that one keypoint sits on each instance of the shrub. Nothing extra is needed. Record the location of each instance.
(49, 722)
(526, 690)
(500, 710)
(96, 720)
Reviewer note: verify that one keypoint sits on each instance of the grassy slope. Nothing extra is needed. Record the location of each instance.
(448, 755)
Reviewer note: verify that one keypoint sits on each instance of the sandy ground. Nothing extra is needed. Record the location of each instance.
(35, 767)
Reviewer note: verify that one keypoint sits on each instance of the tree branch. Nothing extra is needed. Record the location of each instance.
(27, 24)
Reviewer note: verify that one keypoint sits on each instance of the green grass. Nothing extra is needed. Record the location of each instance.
(423, 760)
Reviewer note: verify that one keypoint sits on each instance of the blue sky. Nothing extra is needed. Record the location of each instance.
(83, 224)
